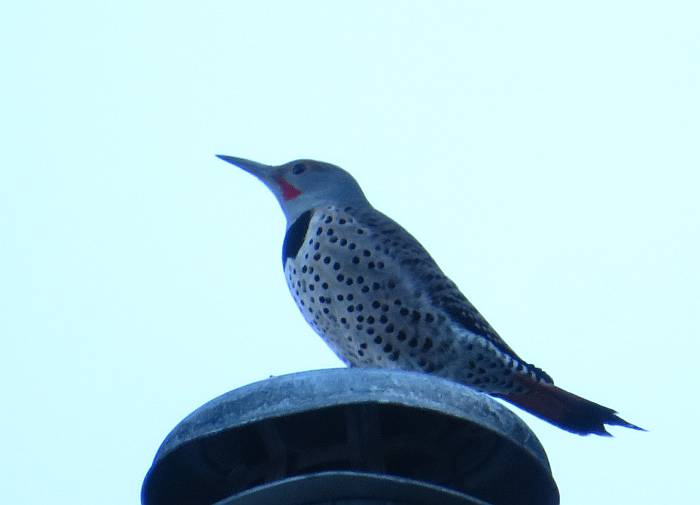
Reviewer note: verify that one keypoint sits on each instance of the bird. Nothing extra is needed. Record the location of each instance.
(379, 300)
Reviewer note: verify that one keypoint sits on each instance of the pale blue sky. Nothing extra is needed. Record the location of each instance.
(546, 153)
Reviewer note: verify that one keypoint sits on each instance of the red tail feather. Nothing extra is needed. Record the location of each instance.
(565, 410)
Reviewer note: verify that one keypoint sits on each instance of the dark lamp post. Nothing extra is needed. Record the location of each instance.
(351, 437)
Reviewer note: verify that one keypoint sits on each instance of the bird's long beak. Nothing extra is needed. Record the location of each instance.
(263, 172)
(269, 175)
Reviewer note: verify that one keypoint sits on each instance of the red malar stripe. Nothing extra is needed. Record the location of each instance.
(289, 192)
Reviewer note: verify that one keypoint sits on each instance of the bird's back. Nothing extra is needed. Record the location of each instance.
(378, 299)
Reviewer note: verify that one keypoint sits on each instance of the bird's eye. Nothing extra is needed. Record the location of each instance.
(298, 168)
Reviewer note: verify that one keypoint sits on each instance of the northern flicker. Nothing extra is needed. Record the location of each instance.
(378, 299)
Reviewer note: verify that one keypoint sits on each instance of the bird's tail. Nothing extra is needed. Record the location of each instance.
(564, 409)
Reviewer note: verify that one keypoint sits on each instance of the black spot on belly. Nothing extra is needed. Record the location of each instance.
(294, 237)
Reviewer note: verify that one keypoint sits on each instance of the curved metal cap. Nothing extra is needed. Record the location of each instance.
(349, 488)
(401, 424)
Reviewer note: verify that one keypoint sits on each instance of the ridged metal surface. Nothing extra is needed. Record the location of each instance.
(349, 488)
(407, 425)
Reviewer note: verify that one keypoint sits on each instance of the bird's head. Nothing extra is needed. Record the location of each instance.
(301, 185)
